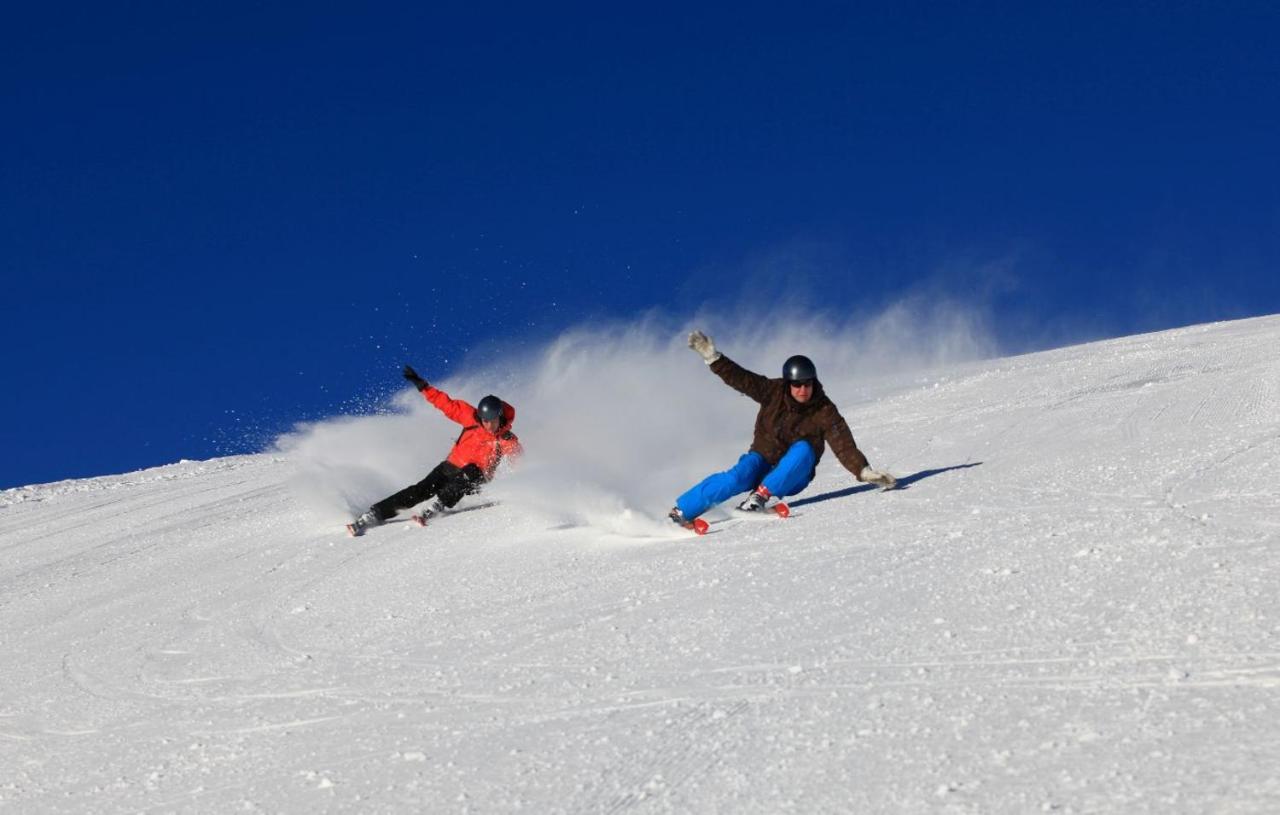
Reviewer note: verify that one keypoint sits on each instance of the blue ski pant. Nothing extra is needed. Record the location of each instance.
(791, 475)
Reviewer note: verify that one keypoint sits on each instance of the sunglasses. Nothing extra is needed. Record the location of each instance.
(802, 383)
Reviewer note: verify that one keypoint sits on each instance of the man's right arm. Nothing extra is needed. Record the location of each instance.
(751, 385)
(455, 409)
(748, 383)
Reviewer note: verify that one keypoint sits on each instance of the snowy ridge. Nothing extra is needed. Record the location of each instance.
(1070, 606)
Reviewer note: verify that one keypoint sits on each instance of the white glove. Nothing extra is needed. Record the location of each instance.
(704, 346)
(883, 480)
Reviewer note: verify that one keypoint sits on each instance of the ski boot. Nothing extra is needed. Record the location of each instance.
(367, 519)
(697, 525)
(758, 501)
(427, 513)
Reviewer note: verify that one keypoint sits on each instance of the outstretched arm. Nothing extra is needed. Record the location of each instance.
(704, 346)
(455, 409)
(846, 449)
(750, 384)
(412, 375)
(882, 480)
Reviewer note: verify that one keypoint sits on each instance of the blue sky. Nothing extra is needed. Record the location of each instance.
(219, 220)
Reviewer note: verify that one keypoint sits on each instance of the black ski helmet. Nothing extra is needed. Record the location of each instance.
(799, 369)
(490, 407)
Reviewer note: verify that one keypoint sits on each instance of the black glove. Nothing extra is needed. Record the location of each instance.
(412, 375)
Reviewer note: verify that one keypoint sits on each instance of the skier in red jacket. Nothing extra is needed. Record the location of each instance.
(486, 439)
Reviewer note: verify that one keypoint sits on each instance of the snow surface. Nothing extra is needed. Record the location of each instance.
(1070, 606)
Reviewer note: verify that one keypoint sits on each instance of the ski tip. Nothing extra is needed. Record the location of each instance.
(782, 509)
(419, 520)
(700, 526)
(352, 531)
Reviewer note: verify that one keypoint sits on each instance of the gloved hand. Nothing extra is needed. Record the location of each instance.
(704, 346)
(412, 375)
(882, 480)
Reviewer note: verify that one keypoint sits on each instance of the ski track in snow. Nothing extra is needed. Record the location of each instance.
(1071, 606)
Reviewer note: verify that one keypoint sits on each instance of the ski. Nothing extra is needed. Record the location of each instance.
(769, 513)
(357, 527)
(426, 516)
(697, 526)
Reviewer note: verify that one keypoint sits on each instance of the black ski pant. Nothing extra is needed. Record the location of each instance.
(448, 482)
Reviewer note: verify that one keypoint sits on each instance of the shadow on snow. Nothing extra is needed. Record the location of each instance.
(903, 483)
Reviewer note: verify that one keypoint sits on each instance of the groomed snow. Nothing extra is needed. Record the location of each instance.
(1071, 606)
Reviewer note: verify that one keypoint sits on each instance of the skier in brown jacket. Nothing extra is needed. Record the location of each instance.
(795, 421)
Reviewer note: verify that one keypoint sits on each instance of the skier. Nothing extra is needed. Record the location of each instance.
(486, 439)
(795, 419)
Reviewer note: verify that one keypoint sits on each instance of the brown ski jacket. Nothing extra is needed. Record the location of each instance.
(782, 421)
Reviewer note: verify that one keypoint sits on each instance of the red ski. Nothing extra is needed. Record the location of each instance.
(697, 526)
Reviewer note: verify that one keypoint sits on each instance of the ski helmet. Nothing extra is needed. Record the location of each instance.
(799, 369)
(489, 408)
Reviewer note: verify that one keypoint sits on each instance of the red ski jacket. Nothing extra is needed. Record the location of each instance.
(476, 445)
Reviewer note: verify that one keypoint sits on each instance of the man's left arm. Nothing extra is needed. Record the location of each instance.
(509, 446)
(840, 437)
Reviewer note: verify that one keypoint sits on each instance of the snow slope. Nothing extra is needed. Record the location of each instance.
(1071, 606)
